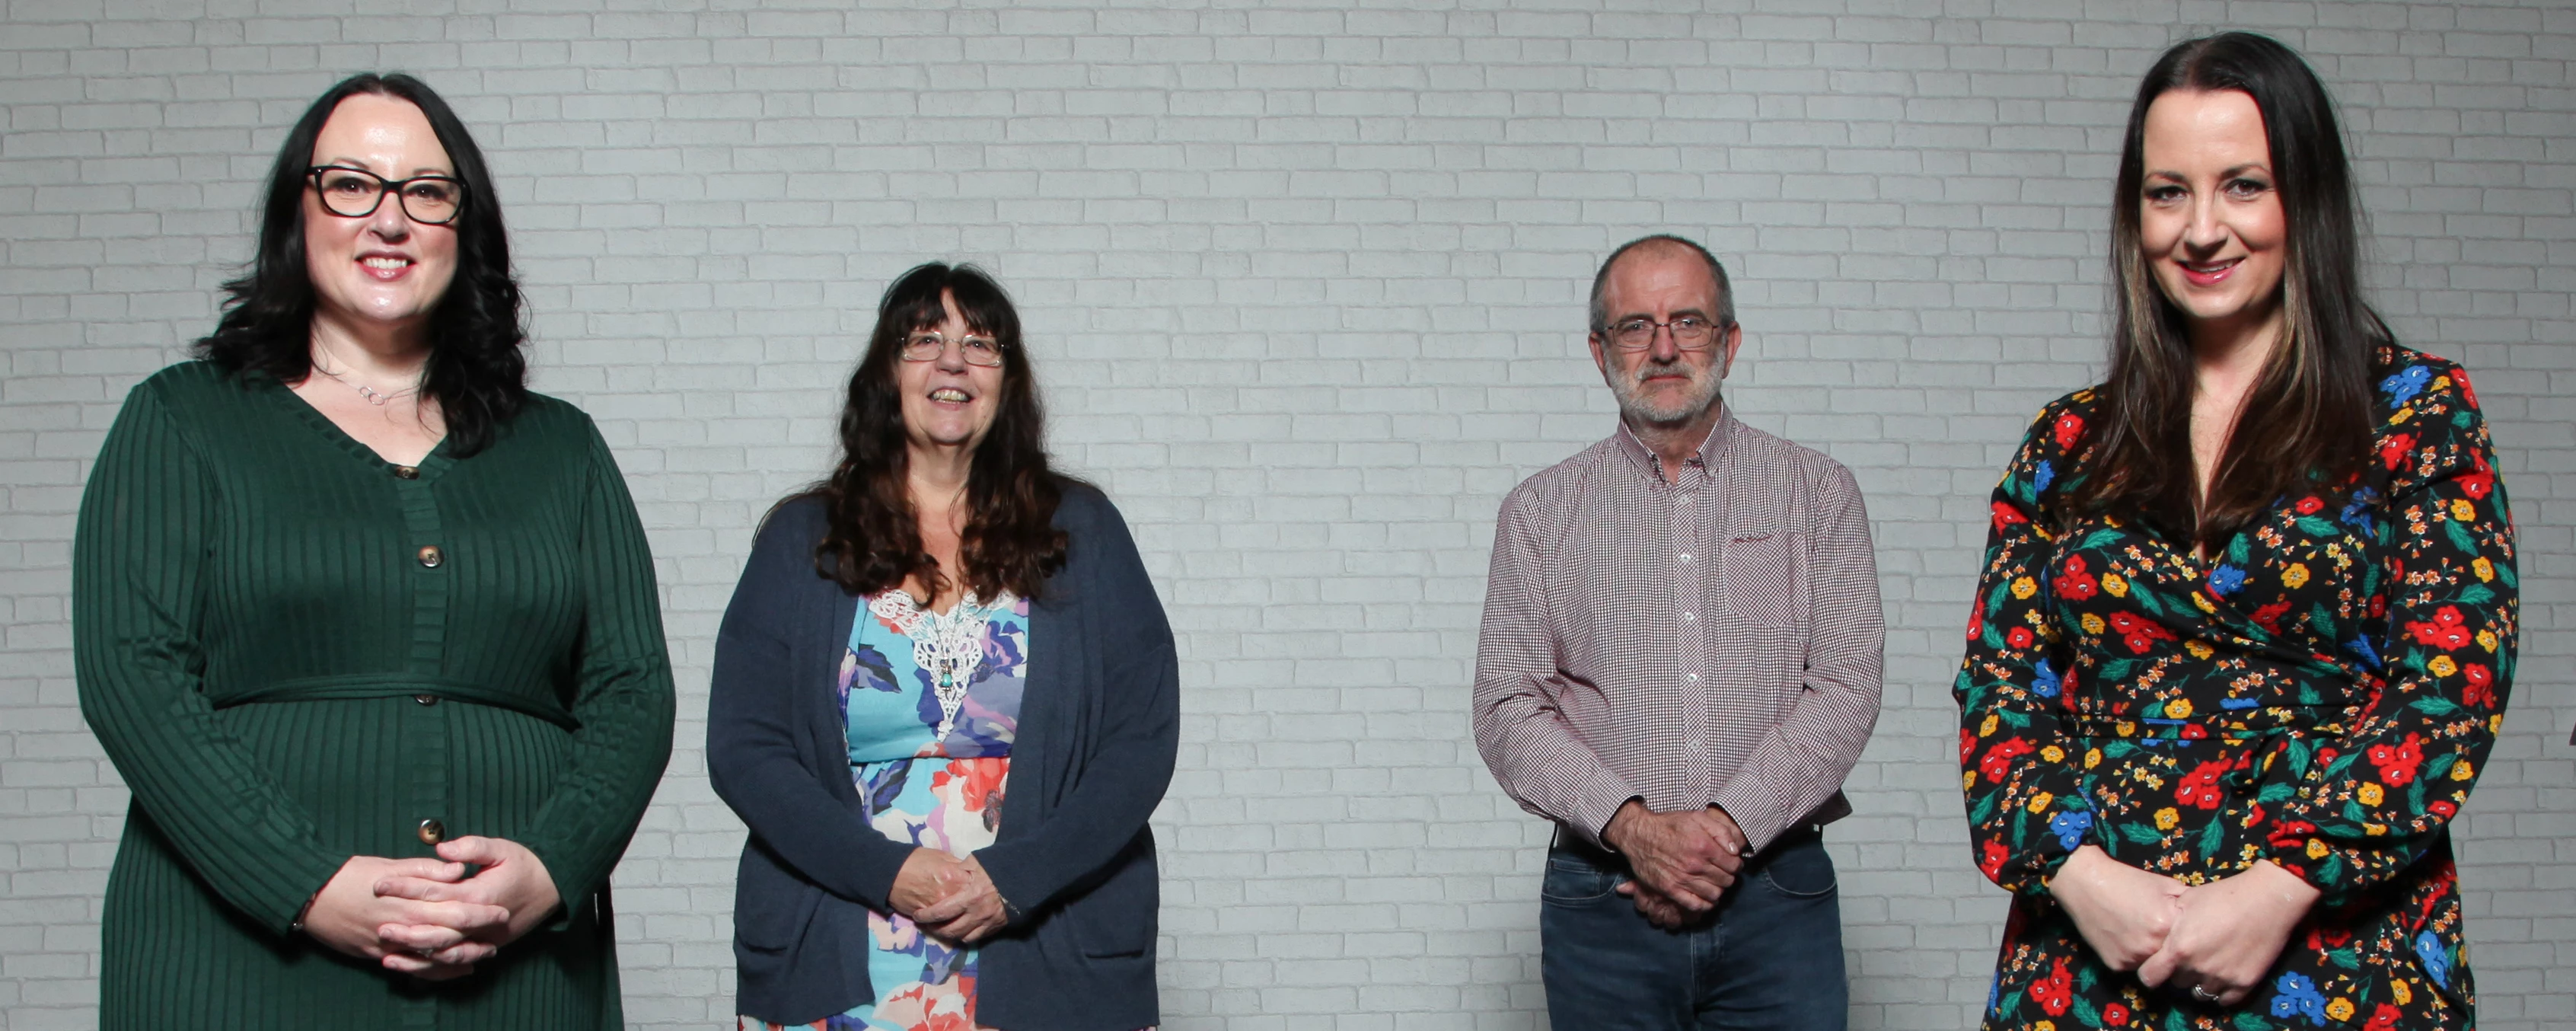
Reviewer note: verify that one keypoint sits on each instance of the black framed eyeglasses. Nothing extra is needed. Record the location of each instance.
(1690, 333)
(976, 350)
(433, 200)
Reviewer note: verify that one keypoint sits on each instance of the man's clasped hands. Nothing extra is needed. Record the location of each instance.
(1684, 861)
(2213, 941)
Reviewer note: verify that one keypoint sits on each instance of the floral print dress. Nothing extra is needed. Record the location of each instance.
(925, 789)
(2321, 693)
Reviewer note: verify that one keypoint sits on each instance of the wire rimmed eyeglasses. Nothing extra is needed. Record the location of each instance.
(433, 200)
(1690, 333)
(976, 350)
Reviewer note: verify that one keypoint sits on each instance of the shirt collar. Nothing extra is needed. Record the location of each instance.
(1643, 459)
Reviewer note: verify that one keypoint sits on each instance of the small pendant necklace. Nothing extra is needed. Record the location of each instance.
(373, 396)
(948, 647)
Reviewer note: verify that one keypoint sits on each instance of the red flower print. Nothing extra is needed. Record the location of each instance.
(2020, 637)
(2383, 1019)
(2007, 515)
(2397, 762)
(2270, 615)
(2323, 940)
(1967, 744)
(1992, 862)
(1998, 761)
(2200, 787)
(2053, 992)
(2068, 429)
(2442, 808)
(2193, 732)
(2480, 483)
(2139, 633)
(2310, 505)
(2074, 585)
(2448, 631)
(2115, 1015)
(2393, 451)
(2481, 692)
(983, 782)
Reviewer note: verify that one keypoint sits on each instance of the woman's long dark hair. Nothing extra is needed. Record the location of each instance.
(2306, 422)
(873, 540)
(477, 370)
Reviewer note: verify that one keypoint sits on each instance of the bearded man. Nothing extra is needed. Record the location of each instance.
(1679, 664)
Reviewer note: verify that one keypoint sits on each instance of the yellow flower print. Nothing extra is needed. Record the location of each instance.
(2045, 1025)
(2402, 414)
(2439, 384)
(2092, 758)
(2025, 587)
(2374, 829)
(2316, 848)
(2053, 754)
(2093, 624)
(1987, 729)
(2116, 584)
(2370, 793)
(2203, 601)
(1967, 780)
(2178, 709)
(2461, 770)
(2340, 1009)
(2401, 992)
(2167, 817)
(2462, 511)
(2296, 576)
(2487, 639)
(2482, 567)
(2199, 649)
(2039, 802)
(2124, 728)
(2441, 666)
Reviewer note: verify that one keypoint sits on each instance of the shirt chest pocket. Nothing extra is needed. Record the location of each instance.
(1765, 579)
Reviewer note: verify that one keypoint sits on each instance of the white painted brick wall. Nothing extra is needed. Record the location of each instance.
(1306, 290)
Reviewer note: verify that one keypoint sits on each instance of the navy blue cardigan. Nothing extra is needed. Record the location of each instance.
(1098, 733)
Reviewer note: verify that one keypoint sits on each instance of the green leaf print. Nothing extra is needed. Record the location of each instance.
(2317, 527)
(2434, 705)
(2300, 751)
(2460, 419)
(2441, 765)
(2211, 837)
(2146, 600)
(2476, 594)
(1985, 807)
(2118, 670)
(2505, 573)
(2415, 797)
(2353, 812)
(2118, 749)
(2459, 536)
(2342, 762)
(2245, 1021)
(2085, 979)
(2084, 1009)
(2332, 870)
(2236, 553)
(2141, 833)
(2099, 538)
(2274, 792)
(2347, 958)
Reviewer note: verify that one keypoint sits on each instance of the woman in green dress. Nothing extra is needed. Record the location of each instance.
(369, 629)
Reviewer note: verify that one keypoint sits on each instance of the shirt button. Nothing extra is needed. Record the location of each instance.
(407, 472)
(425, 699)
(1692, 677)
(1687, 617)
(430, 556)
(432, 832)
(1685, 556)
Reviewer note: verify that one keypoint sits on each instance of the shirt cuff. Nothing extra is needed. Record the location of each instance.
(1754, 813)
(1595, 802)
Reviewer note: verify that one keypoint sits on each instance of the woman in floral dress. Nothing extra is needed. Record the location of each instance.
(2247, 614)
(945, 704)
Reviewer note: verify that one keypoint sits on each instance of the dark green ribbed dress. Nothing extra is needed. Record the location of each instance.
(296, 652)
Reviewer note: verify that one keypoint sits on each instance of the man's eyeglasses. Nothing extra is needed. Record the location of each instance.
(1690, 333)
(927, 347)
(431, 200)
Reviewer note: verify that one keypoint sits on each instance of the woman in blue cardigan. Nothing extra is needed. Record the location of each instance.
(945, 703)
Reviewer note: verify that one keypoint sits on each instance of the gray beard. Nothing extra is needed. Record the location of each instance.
(1637, 409)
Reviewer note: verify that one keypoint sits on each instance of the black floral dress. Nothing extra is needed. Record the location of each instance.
(2320, 694)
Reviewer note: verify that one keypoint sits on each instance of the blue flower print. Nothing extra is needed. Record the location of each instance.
(2045, 680)
(2356, 512)
(2070, 828)
(2361, 646)
(2403, 386)
(2226, 580)
(2041, 477)
(2437, 960)
(2298, 998)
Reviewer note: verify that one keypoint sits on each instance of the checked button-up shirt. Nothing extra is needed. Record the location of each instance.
(1711, 641)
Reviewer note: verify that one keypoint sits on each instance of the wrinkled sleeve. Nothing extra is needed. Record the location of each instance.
(622, 693)
(139, 561)
(1521, 733)
(2356, 811)
(1801, 761)
(2019, 769)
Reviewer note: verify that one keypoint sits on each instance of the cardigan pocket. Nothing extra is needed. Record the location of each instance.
(1117, 919)
(770, 906)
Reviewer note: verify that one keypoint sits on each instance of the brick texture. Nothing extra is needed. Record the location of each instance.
(1305, 287)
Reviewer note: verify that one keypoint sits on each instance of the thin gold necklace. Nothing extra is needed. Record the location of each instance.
(374, 397)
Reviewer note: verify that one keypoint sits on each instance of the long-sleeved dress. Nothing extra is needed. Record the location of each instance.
(295, 652)
(2321, 693)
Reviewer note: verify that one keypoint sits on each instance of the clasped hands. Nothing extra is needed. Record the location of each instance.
(950, 899)
(425, 917)
(1684, 861)
(2213, 940)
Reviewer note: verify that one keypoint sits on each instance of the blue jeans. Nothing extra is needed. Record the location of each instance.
(1771, 958)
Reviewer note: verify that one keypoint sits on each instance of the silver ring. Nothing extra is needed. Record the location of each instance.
(2202, 994)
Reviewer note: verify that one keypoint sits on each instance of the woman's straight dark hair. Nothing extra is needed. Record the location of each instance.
(2306, 423)
(478, 368)
(873, 540)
